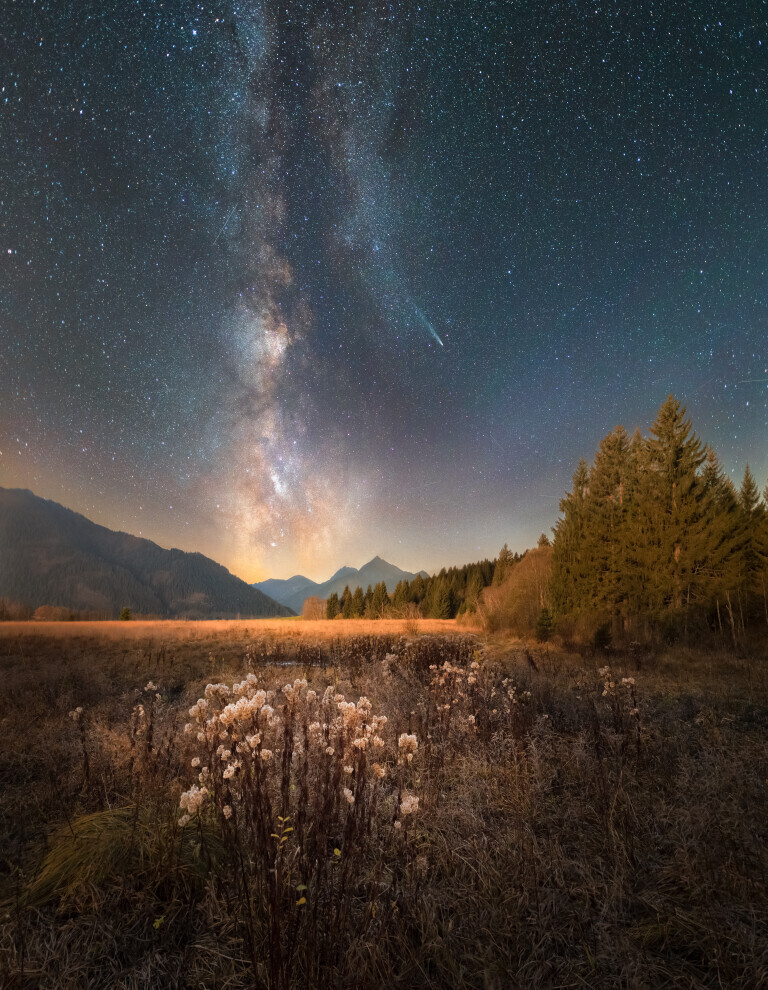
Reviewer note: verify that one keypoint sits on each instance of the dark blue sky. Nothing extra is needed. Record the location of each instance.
(295, 284)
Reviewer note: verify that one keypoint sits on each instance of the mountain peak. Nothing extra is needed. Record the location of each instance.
(373, 572)
(345, 571)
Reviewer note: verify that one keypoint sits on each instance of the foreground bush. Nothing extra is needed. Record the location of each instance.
(309, 794)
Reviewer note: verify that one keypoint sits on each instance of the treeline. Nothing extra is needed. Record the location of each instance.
(451, 592)
(653, 534)
(12, 611)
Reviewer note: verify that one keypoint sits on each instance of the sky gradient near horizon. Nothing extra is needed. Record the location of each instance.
(295, 284)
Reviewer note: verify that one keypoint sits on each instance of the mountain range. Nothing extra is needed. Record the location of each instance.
(295, 590)
(50, 555)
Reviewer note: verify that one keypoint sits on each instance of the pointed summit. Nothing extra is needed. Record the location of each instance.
(374, 572)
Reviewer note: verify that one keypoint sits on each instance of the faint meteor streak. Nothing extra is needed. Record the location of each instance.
(226, 222)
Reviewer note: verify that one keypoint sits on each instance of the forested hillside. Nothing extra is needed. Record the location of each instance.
(53, 556)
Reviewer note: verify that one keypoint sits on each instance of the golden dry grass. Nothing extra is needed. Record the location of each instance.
(169, 630)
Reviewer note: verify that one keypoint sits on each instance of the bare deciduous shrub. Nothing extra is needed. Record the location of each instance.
(515, 605)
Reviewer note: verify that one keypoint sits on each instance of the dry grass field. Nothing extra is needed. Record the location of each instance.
(171, 630)
(412, 806)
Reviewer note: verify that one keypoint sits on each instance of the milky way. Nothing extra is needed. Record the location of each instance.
(295, 284)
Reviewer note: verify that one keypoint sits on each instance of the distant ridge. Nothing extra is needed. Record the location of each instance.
(50, 555)
(294, 591)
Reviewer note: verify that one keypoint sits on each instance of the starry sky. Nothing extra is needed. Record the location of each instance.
(294, 284)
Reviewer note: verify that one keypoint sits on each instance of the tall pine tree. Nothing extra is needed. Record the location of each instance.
(673, 531)
(569, 574)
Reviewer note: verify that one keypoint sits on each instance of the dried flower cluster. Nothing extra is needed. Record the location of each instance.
(610, 685)
(247, 733)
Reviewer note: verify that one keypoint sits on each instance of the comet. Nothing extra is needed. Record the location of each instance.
(427, 324)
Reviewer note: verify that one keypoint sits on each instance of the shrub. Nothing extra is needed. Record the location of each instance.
(309, 793)
(515, 605)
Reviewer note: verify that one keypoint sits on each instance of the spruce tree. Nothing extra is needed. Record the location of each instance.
(418, 589)
(474, 590)
(332, 606)
(569, 565)
(368, 609)
(752, 518)
(504, 564)
(674, 540)
(441, 601)
(346, 603)
(723, 565)
(400, 596)
(380, 600)
(611, 483)
(358, 603)
(762, 549)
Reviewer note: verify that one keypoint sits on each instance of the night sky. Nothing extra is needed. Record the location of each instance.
(296, 284)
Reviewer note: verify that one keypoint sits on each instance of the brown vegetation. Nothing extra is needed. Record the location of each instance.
(580, 822)
(515, 605)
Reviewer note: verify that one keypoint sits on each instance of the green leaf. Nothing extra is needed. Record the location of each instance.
(301, 886)
(337, 852)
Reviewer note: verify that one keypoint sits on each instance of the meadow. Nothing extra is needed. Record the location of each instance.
(348, 804)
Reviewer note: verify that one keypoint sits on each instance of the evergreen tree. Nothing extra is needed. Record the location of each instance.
(380, 600)
(723, 565)
(332, 607)
(368, 609)
(673, 525)
(569, 565)
(752, 563)
(474, 590)
(504, 564)
(762, 549)
(418, 589)
(440, 607)
(607, 510)
(358, 603)
(654, 528)
(346, 603)
(400, 596)
(544, 625)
